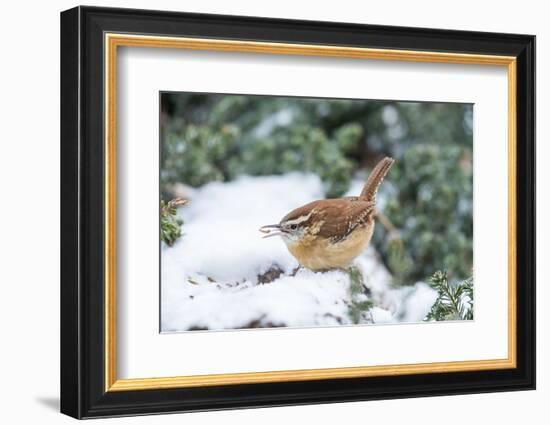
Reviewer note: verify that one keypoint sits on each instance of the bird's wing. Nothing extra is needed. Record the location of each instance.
(342, 216)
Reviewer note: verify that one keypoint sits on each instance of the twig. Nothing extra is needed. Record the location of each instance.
(386, 222)
(176, 202)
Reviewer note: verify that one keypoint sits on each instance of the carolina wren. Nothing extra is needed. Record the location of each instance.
(331, 233)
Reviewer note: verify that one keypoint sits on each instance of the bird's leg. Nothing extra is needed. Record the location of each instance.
(295, 271)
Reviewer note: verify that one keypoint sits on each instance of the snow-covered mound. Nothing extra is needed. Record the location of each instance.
(222, 275)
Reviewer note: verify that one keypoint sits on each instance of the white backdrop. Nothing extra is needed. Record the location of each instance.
(29, 224)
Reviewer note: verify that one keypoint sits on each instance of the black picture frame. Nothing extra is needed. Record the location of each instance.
(83, 392)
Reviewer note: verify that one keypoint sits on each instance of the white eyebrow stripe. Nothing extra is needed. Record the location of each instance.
(298, 220)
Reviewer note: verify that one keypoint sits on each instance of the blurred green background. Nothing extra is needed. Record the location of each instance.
(427, 198)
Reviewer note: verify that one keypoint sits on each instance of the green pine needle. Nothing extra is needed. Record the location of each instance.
(170, 223)
(359, 306)
(455, 301)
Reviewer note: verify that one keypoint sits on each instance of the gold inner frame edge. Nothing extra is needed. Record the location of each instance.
(113, 40)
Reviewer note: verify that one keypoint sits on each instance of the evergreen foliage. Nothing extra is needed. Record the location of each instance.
(455, 301)
(431, 205)
(360, 304)
(170, 223)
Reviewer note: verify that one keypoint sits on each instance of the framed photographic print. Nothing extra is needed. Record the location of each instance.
(262, 212)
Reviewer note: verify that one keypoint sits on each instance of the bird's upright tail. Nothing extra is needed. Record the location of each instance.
(375, 179)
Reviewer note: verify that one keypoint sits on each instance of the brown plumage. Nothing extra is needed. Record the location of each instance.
(331, 233)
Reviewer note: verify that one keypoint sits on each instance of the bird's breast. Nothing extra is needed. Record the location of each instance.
(319, 253)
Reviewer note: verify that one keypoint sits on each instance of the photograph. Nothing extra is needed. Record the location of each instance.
(281, 211)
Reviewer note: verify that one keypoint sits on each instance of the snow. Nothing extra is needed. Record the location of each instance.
(209, 278)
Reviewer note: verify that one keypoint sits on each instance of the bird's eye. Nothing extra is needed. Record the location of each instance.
(293, 226)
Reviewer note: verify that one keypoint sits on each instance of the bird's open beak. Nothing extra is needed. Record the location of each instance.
(271, 230)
